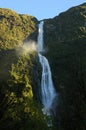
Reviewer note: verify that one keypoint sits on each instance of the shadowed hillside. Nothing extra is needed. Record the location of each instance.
(65, 40)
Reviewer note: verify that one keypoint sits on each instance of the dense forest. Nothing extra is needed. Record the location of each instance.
(20, 70)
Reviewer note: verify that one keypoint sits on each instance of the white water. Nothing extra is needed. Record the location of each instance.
(47, 87)
(40, 37)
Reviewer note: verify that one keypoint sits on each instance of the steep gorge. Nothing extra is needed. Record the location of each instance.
(65, 39)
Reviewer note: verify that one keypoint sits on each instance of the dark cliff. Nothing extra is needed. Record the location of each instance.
(65, 43)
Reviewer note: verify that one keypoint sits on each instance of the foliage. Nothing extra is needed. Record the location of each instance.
(69, 25)
(18, 108)
(14, 28)
(65, 39)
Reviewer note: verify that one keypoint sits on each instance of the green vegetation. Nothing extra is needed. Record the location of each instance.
(15, 28)
(18, 108)
(65, 39)
(69, 25)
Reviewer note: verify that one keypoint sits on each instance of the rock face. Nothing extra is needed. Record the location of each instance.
(65, 42)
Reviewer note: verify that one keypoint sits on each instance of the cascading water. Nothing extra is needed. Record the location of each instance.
(47, 88)
(40, 37)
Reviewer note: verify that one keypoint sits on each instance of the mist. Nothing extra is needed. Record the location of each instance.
(27, 47)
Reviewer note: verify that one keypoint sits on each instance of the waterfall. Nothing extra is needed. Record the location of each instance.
(47, 88)
(40, 37)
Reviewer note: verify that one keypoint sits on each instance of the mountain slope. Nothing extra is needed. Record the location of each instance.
(18, 108)
(14, 28)
(65, 42)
